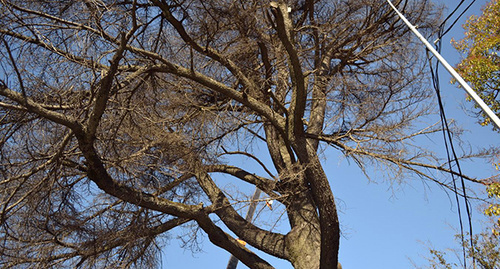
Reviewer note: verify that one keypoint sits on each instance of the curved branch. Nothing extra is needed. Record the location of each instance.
(39, 109)
(99, 175)
(269, 242)
(221, 239)
(260, 182)
(252, 157)
(260, 108)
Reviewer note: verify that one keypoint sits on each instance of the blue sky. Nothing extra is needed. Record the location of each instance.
(386, 225)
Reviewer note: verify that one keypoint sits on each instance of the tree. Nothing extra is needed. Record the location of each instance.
(118, 119)
(481, 63)
(482, 249)
(493, 209)
(484, 252)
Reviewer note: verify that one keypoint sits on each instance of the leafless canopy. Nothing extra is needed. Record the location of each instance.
(118, 118)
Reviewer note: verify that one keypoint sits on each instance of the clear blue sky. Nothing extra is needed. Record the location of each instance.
(385, 225)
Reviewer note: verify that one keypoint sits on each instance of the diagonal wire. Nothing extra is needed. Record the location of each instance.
(443, 32)
(448, 142)
(447, 135)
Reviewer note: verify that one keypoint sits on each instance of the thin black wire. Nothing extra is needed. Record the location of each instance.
(447, 135)
(441, 27)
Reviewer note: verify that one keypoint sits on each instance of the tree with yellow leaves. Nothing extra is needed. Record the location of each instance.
(480, 66)
(494, 208)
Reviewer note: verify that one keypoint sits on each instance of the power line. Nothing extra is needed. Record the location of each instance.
(446, 131)
(450, 69)
(443, 32)
(447, 136)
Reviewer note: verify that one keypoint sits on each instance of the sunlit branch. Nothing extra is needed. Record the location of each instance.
(260, 182)
(269, 242)
(252, 157)
(39, 109)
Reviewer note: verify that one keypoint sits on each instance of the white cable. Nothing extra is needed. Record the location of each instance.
(450, 69)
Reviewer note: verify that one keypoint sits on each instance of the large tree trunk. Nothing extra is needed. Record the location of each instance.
(303, 242)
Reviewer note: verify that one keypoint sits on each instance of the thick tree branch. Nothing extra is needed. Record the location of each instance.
(98, 174)
(253, 157)
(269, 242)
(284, 27)
(250, 102)
(324, 201)
(221, 239)
(39, 109)
(320, 84)
(102, 95)
(260, 182)
(318, 103)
